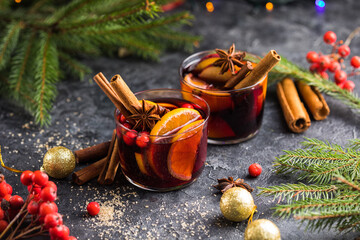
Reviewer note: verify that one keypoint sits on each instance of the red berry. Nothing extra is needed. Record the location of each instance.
(3, 189)
(255, 169)
(324, 75)
(334, 66)
(51, 184)
(71, 238)
(312, 57)
(330, 37)
(3, 225)
(26, 177)
(33, 207)
(93, 208)
(349, 85)
(324, 62)
(340, 76)
(52, 220)
(9, 187)
(48, 194)
(143, 140)
(40, 178)
(59, 232)
(129, 137)
(36, 189)
(7, 197)
(16, 202)
(355, 61)
(314, 67)
(344, 50)
(47, 207)
(127, 125)
(187, 105)
(122, 119)
(2, 214)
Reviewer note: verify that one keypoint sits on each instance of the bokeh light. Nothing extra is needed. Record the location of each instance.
(269, 6)
(209, 6)
(320, 3)
(18, 1)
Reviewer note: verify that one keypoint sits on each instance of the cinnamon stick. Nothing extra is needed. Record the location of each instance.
(126, 96)
(314, 101)
(260, 70)
(86, 174)
(101, 178)
(104, 84)
(92, 153)
(113, 165)
(294, 111)
(234, 80)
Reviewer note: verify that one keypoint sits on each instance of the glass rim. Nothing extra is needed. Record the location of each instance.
(207, 112)
(209, 91)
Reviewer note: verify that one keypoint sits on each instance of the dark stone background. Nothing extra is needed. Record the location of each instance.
(82, 116)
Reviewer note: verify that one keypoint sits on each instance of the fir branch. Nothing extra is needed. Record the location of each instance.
(46, 75)
(9, 43)
(20, 64)
(334, 201)
(73, 66)
(294, 192)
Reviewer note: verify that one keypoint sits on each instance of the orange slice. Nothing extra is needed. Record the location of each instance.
(174, 119)
(183, 151)
(141, 163)
(169, 122)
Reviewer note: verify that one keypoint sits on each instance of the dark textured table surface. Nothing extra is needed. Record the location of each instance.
(82, 116)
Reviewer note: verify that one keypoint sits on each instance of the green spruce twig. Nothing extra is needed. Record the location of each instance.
(333, 198)
(40, 42)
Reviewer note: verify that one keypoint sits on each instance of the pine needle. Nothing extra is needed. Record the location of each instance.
(333, 200)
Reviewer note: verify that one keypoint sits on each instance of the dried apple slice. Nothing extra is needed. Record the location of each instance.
(206, 62)
(183, 151)
(212, 74)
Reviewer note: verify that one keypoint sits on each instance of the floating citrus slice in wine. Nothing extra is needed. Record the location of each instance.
(141, 163)
(170, 123)
(169, 106)
(174, 120)
(183, 151)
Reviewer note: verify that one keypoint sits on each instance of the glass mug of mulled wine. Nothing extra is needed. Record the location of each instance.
(171, 154)
(236, 114)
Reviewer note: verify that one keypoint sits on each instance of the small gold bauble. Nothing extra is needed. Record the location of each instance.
(262, 229)
(237, 204)
(59, 162)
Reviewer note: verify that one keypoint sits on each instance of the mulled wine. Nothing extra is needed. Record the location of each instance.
(236, 114)
(172, 153)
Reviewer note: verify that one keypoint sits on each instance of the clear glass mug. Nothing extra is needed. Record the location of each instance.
(236, 114)
(168, 162)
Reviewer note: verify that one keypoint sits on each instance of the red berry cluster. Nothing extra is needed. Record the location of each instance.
(40, 205)
(132, 137)
(334, 62)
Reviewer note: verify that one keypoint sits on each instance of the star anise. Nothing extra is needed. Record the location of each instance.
(146, 116)
(229, 59)
(225, 184)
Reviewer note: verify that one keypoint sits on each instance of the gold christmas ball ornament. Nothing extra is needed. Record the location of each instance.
(59, 162)
(237, 204)
(262, 229)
